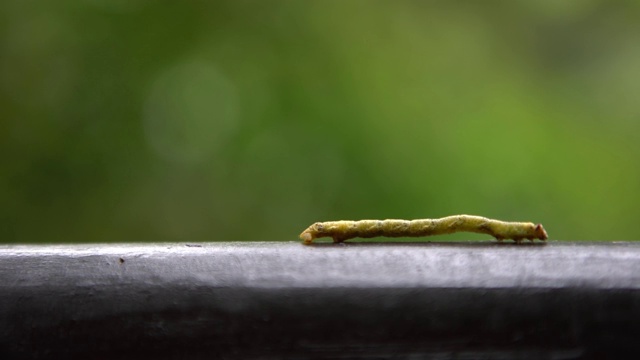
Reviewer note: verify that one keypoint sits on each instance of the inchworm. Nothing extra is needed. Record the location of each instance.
(344, 230)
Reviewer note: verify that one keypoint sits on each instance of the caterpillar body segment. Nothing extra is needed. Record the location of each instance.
(344, 230)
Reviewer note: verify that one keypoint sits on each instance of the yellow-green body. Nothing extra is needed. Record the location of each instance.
(344, 230)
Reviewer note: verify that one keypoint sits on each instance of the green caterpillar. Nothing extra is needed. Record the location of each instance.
(344, 230)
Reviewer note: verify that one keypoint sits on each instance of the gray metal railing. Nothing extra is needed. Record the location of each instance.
(278, 300)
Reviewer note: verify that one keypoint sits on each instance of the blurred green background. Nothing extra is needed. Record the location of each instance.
(142, 120)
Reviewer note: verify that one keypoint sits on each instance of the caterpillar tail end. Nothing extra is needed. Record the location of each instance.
(541, 233)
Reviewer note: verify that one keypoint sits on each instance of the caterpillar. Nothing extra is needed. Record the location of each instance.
(344, 230)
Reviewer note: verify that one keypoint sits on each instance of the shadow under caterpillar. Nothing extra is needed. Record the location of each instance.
(344, 230)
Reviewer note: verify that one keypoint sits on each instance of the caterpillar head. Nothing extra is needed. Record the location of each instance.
(312, 232)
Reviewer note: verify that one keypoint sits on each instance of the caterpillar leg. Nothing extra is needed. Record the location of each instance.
(338, 239)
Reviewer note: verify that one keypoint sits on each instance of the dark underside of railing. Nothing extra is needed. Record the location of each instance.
(284, 300)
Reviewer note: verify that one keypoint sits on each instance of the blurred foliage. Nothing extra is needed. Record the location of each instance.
(140, 120)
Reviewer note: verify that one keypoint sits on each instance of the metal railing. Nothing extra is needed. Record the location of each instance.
(277, 300)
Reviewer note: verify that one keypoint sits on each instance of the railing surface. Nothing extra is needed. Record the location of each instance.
(278, 300)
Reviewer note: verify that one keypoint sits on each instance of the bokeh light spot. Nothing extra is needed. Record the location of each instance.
(190, 113)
